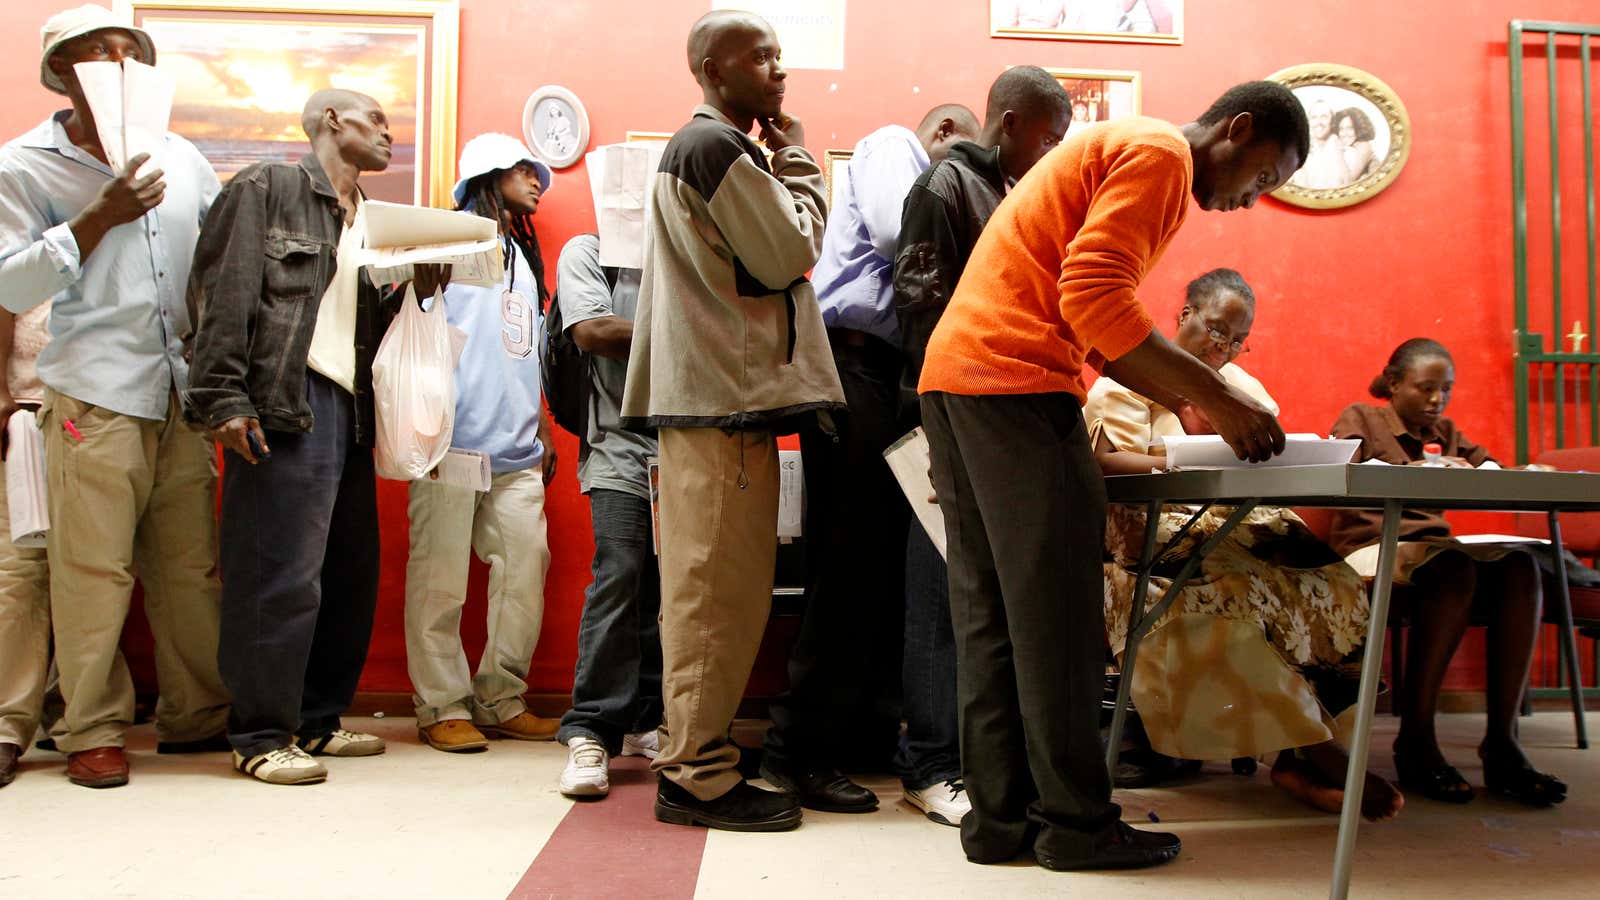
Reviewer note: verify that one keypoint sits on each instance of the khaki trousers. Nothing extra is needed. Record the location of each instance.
(719, 525)
(24, 632)
(506, 527)
(132, 497)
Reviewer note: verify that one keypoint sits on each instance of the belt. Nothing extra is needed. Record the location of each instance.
(851, 337)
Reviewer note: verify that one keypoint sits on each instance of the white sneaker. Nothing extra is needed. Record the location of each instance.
(340, 742)
(285, 765)
(944, 803)
(585, 774)
(646, 744)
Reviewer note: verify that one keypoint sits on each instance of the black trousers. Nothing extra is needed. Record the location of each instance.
(843, 704)
(299, 550)
(1024, 508)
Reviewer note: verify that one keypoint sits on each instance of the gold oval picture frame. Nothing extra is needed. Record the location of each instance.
(1360, 135)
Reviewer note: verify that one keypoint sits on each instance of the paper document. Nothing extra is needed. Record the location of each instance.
(132, 104)
(465, 469)
(620, 176)
(1209, 451)
(400, 236)
(25, 485)
(791, 495)
(1499, 539)
(908, 460)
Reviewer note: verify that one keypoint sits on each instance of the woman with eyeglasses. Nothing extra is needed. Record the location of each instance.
(1262, 648)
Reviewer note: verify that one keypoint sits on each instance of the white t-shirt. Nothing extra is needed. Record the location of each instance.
(333, 340)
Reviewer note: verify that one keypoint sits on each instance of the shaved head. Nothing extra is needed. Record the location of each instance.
(1028, 91)
(709, 36)
(312, 119)
(962, 118)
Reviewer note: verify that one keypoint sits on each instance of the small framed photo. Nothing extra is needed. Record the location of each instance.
(835, 165)
(1123, 21)
(1099, 95)
(556, 126)
(1360, 136)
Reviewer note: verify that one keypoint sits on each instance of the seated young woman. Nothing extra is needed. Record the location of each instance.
(1229, 672)
(1448, 581)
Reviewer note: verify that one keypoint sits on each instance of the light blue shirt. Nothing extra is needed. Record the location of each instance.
(497, 379)
(855, 276)
(118, 319)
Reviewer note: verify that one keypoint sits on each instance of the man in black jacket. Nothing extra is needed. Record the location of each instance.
(949, 204)
(282, 376)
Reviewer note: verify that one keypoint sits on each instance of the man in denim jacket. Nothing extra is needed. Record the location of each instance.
(282, 376)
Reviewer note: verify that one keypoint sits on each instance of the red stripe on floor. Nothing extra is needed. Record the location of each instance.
(616, 848)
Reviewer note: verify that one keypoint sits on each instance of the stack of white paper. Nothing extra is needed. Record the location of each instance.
(25, 486)
(1208, 451)
(132, 103)
(908, 460)
(400, 236)
(620, 176)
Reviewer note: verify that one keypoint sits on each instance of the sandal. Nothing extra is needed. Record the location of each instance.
(1524, 784)
(1442, 782)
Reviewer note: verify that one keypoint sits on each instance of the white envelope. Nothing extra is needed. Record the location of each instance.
(26, 493)
(620, 176)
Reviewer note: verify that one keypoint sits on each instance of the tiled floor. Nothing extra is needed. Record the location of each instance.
(419, 823)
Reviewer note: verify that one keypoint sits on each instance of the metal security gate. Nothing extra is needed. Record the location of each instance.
(1556, 366)
(1556, 370)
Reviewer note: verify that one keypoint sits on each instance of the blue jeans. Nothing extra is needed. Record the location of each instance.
(617, 687)
(299, 549)
(930, 750)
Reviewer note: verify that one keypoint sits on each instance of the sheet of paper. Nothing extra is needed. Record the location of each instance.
(147, 94)
(620, 177)
(132, 105)
(402, 225)
(908, 460)
(791, 495)
(465, 469)
(1208, 451)
(480, 263)
(1499, 539)
(25, 485)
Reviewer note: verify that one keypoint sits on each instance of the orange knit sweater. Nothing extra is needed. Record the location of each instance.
(1054, 274)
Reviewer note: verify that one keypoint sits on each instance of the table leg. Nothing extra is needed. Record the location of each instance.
(1119, 715)
(1569, 639)
(1371, 667)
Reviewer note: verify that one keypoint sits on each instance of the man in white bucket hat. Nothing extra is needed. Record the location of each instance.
(497, 414)
(111, 251)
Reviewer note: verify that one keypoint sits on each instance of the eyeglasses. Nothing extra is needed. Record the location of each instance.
(1223, 340)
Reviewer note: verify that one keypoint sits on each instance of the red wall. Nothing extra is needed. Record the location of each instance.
(1432, 255)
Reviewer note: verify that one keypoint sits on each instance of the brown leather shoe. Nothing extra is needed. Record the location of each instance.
(8, 763)
(525, 726)
(453, 736)
(101, 767)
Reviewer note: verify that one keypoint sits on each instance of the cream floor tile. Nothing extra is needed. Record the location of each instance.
(413, 822)
(1242, 839)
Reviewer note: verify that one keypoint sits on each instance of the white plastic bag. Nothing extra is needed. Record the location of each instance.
(414, 390)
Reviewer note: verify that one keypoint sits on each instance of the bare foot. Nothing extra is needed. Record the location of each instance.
(1325, 765)
(1302, 782)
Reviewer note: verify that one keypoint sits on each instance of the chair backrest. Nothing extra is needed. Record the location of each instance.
(1580, 532)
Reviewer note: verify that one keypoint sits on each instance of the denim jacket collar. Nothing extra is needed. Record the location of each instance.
(320, 182)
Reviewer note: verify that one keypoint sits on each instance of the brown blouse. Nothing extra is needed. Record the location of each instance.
(1383, 436)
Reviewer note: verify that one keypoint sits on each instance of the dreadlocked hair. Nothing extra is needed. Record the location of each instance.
(483, 197)
(1403, 358)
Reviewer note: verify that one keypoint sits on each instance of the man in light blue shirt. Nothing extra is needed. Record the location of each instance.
(856, 519)
(132, 489)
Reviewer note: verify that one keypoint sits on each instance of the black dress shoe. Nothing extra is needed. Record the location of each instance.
(1122, 848)
(48, 745)
(745, 808)
(824, 790)
(8, 763)
(217, 743)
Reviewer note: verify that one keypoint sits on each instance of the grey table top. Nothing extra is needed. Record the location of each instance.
(1365, 486)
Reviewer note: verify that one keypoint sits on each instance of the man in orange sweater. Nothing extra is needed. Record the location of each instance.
(1050, 285)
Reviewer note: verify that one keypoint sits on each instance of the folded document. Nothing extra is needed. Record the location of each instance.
(25, 485)
(399, 236)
